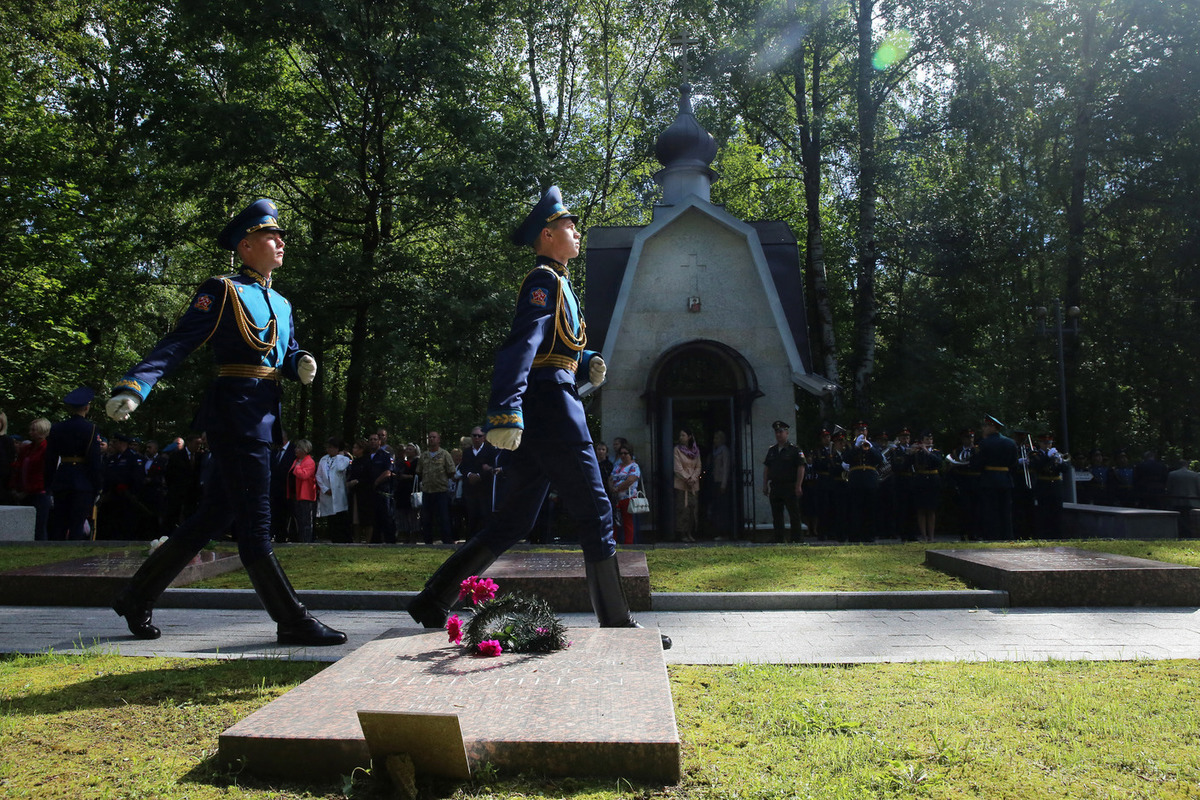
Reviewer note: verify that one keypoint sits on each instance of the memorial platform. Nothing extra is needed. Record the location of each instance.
(93, 581)
(1083, 521)
(559, 578)
(1068, 576)
(602, 707)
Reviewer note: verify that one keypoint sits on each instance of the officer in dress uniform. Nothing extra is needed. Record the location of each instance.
(902, 476)
(74, 468)
(535, 412)
(965, 480)
(124, 474)
(248, 326)
(783, 481)
(994, 459)
(864, 460)
(1047, 468)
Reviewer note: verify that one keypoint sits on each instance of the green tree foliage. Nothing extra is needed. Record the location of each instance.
(951, 167)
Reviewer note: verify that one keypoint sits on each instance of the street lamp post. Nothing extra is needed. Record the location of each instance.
(1060, 330)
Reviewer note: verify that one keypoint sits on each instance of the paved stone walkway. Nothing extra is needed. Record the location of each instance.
(850, 636)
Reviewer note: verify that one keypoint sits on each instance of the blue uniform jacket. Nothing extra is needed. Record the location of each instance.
(73, 461)
(248, 326)
(533, 382)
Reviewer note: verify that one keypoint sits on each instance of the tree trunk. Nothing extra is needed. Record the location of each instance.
(356, 371)
(864, 302)
(810, 120)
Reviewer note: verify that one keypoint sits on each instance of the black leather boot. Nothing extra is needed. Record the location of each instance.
(431, 607)
(608, 597)
(136, 601)
(293, 623)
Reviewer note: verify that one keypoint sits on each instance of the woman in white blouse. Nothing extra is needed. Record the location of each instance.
(333, 504)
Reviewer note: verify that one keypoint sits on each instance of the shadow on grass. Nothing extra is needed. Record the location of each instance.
(204, 684)
(365, 784)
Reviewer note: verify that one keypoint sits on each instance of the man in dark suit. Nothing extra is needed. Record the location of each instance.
(248, 326)
(536, 413)
(477, 468)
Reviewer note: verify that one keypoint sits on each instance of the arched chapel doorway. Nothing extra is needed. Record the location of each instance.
(707, 387)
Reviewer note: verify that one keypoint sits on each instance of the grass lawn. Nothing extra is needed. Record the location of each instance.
(103, 726)
(782, 568)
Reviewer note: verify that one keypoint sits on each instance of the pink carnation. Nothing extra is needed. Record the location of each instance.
(490, 648)
(455, 629)
(478, 589)
(467, 587)
(485, 589)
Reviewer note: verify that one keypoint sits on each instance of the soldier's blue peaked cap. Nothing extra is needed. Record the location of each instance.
(261, 215)
(548, 209)
(80, 397)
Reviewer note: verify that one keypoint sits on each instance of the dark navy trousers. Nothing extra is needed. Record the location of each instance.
(238, 495)
(575, 474)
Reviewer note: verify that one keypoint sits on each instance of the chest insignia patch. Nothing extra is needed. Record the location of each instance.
(538, 297)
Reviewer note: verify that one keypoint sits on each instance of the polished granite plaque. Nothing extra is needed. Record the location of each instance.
(601, 707)
(1068, 576)
(93, 581)
(559, 578)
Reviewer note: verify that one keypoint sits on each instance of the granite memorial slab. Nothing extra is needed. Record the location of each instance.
(93, 581)
(602, 708)
(17, 523)
(1084, 521)
(559, 578)
(1068, 576)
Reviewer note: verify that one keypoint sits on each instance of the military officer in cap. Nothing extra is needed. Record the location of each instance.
(248, 326)
(535, 413)
(1047, 468)
(783, 481)
(124, 474)
(74, 468)
(994, 459)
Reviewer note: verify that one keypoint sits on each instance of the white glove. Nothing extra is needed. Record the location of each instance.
(505, 438)
(597, 370)
(306, 368)
(121, 405)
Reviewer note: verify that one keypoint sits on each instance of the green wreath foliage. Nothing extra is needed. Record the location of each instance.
(521, 623)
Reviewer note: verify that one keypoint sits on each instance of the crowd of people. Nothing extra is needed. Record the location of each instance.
(851, 486)
(856, 487)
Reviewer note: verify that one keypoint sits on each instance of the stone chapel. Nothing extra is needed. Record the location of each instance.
(701, 319)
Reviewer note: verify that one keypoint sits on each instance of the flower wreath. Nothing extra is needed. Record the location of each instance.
(515, 623)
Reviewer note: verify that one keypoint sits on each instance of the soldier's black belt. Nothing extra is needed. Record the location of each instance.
(71, 459)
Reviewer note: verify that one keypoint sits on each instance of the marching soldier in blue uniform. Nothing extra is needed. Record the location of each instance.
(74, 468)
(995, 458)
(535, 412)
(248, 326)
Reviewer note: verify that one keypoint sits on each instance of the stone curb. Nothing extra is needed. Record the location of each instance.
(660, 601)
